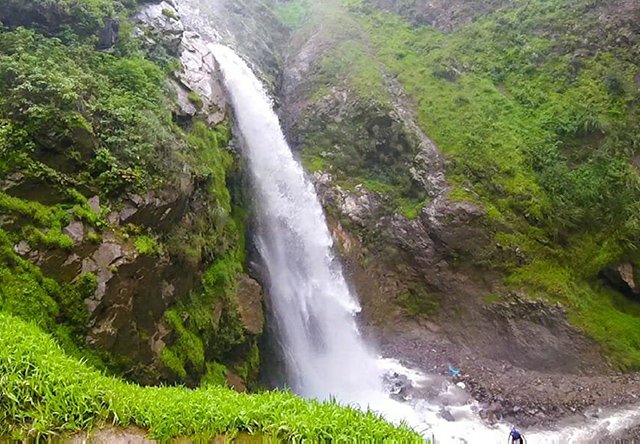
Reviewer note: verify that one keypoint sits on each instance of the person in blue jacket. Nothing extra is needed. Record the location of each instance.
(515, 437)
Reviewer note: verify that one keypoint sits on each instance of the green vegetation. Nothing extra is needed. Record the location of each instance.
(418, 303)
(543, 138)
(537, 110)
(85, 17)
(293, 13)
(145, 245)
(168, 12)
(45, 393)
(74, 122)
(195, 98)
(361, 140)
(77, 123)
(201, 323)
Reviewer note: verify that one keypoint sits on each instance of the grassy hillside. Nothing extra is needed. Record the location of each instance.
(77, 122)
(536, 106)
(45, 393)
(542, 128)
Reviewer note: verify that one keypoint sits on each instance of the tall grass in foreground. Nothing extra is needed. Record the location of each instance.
(44, 392)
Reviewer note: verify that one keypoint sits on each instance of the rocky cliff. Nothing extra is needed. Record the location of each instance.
(123, 215)
(475, 214)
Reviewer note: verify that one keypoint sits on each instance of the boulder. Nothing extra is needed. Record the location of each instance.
(75, 230)
(623, 277)
(249, 294)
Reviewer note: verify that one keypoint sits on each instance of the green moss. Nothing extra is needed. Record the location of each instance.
(170, 360)
(216, 374)
(195, 98)
(491, 298)
(207, 324)
(168, 12)
(46, 393)
(146, 245)
(409, 208)
(418, 303)
(314, 163)
(249, 369)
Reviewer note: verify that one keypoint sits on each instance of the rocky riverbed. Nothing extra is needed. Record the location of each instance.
(514, 395)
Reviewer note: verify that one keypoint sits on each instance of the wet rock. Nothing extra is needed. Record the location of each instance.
(398, 386)
(446, 415)
(75, 230)
(94, 204)
(624, 278)
(109, 34)
(249, 294)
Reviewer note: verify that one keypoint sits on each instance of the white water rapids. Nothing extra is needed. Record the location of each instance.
(313, 307)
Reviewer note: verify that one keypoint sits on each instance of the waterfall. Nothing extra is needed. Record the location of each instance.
(324, 352)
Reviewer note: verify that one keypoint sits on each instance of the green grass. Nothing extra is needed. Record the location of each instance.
(607, 316)
(44, 393)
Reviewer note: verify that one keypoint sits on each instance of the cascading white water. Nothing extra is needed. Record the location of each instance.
(324, 352)
(313, 307)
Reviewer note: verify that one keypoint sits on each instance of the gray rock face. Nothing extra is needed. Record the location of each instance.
(109, 33)
(249, 294)
(162, 25)
(360, 206)
(624, 277)
(198, 83)
(247, 25)
(75, 230)
(442, 229)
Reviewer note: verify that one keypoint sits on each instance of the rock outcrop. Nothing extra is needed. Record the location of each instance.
(197, 84)
(428, 272)
(623, 277)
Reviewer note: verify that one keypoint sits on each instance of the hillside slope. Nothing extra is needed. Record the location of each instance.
(119, 232)
(479, 161)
